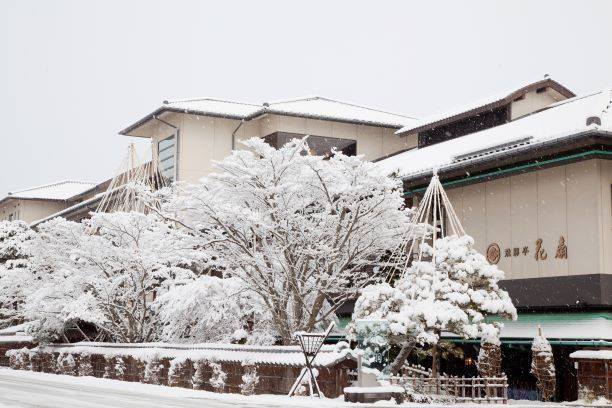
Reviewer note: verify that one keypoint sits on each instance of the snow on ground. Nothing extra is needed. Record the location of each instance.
(28, 389)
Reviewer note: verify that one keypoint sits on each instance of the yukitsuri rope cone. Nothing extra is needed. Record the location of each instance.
(543, 367)
(119, 195)
(489, 357)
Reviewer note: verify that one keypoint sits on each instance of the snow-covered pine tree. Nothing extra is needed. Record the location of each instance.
(543, 366)
(218, 377)
(250, 378)
(489, 357)
(445, 285)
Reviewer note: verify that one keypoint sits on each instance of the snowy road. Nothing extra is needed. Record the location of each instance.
(27, 389)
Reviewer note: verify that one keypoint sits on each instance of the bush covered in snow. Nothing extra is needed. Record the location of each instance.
(218, 377)
(66, 364)
(250, 379)
(543, 366)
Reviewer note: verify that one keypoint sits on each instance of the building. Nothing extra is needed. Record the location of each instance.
(39, 202)
(530, 176)
(187, 135)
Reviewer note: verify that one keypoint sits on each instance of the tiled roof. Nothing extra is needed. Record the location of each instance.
(276, 355)
(60, 191)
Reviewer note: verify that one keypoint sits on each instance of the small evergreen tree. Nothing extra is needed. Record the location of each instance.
(250, 379)
(199, 374)
(218, 377)
(153, 371)
(489, 357)
(120, 368)
(543, 366)
(85, 366)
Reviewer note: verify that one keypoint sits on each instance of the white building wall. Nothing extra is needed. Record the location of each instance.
(570, 201)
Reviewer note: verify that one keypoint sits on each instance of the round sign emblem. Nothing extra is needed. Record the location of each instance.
(493, 254)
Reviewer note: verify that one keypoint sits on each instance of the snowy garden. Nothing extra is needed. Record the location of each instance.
(208, 285)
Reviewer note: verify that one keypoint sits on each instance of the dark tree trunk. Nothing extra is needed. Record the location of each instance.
(399, 361)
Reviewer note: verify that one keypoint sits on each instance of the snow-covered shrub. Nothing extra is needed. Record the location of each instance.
(319, 225)
(199, 379)
(121, 368)
(153, 371)
(453, 293)
(110, 364)
(489, 356)
(179, 372)
(19, 359)
(66, 364)
(250, 379)
(543, 366)
(218, 377)
(85, 367)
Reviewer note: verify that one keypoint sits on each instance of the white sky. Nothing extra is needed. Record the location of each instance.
(74, 73)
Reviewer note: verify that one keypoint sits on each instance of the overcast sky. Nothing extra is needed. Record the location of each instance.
(73, 73)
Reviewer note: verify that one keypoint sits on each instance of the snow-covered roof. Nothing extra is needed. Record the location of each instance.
(311, 107)
(595, 329)
(15, 334)
(277, 355)
(491, 102)
(60, 191)
(592, 354)
(561, 120)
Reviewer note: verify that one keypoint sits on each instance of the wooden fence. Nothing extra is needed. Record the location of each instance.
(458, 389)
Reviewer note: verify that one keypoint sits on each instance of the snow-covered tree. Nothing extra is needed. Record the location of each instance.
(212, 309)
(489, 356)
(218, 377)
(303, 232)
(250, 378)
(85, 366)
(543, 366)
(106, 272)
(15, 280)
(453, 292)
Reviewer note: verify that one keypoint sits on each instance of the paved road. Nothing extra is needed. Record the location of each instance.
(21, 390)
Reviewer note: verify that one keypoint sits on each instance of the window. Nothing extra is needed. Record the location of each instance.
(166, 156)
(319, 145)
(541, 90)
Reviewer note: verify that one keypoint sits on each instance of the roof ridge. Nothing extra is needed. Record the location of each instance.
(57, 183)
(506, 94)
(197, 99)
(344, 103)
